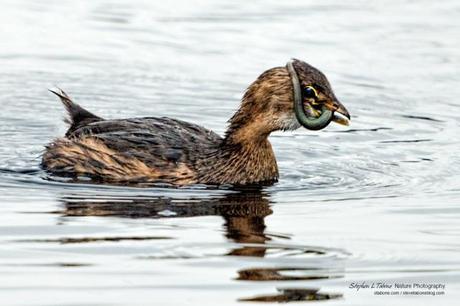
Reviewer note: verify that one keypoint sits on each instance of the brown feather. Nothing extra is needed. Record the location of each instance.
(172, 151)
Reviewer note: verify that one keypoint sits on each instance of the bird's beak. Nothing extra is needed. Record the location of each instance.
(340, 113)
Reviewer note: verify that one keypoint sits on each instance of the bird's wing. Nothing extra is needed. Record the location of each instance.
(152, 140)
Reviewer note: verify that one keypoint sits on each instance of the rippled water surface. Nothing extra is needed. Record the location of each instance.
(377, 201)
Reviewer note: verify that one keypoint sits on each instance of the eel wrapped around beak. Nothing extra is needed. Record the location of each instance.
(318, 116)
(315, 110)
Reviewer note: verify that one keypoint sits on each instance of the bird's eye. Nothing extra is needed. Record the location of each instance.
(310, 92)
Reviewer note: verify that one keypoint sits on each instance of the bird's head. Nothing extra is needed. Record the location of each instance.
(286, 98)
(315, 104)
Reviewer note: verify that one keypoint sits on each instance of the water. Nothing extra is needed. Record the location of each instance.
(374, 202)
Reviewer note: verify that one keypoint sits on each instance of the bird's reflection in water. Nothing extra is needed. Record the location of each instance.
(244, 213)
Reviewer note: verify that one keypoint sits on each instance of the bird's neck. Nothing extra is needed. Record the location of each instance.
(247, 129)
(245, 156)
(253, 121)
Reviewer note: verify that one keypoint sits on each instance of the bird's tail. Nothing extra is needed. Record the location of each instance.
(76, 114)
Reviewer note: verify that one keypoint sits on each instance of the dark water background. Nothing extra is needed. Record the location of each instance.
(375, 202)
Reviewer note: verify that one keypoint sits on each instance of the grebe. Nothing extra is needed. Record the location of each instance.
(166, 150)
